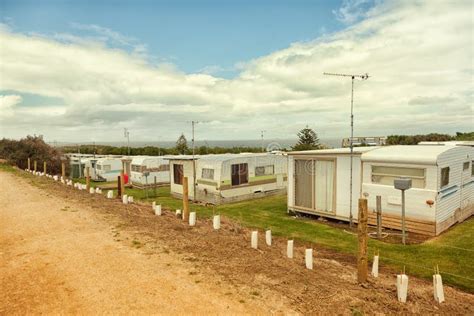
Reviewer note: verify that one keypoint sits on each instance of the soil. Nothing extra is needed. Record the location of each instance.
(68, 251)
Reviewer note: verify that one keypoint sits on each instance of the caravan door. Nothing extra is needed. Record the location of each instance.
(465, 178)
(325, 172)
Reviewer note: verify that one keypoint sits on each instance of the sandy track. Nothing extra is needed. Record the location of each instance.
(57, 257)
(99, 255)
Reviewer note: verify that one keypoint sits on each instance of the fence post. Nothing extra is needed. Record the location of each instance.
(154, 190)
(29, 163)
(119, 187)
(88, 180)
(122, 180)
(362, 259)
(185, 199)
(379, 216)
(35, 165)
(44, 167)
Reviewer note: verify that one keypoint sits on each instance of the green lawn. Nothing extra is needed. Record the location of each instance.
(453, 251)
(419, 260)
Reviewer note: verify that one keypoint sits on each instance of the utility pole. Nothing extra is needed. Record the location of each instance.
(363, 77)
(261, 133)
(126, 134)
(194, 162)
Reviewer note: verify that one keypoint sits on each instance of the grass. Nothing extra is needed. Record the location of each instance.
(419, 259)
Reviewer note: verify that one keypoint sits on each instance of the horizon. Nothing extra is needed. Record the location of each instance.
(74, 74)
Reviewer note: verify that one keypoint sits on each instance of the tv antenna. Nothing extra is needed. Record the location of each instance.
(352, 76)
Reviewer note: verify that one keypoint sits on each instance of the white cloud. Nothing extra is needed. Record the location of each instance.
(352, 10)
(421, 80)
(7, 104)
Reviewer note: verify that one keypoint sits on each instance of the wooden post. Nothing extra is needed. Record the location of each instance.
(29, 163)
(122, 182)
(63, 170)
(362, 259)
(119, 187)
(88, 180)
(35, 165)
(44, 167)
(379, 216)
(155, 187)
(185, 199)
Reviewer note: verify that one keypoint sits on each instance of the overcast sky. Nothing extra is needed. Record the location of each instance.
(82, 71)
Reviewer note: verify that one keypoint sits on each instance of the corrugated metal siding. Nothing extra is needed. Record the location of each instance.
(449, 197)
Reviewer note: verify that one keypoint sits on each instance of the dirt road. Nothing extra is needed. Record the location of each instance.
(58, 256)
(68, 251)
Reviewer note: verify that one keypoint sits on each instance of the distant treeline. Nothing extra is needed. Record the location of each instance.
(433, 137)
(154, 151)
(17, 152)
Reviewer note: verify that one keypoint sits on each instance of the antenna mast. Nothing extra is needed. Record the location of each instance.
(352, 76)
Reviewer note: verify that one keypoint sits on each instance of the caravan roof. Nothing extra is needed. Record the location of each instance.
(419, 154)
(357, 151)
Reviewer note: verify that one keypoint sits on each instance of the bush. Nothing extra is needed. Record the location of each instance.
(17, 152)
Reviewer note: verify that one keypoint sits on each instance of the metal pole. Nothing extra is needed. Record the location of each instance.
(379, 216)
(146, 187)
(194, 166)
(128, 142)
(352, 151)
(403, 217)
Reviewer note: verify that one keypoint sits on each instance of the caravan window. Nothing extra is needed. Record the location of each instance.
(386, 175)
(207, 173)
(178, 174)
(136, 168)
(444, 176)
(264, 171)
(465, 166)
(98, 167)
(240, 174)
(107, 168)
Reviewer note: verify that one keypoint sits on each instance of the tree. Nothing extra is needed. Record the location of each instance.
(182, 144)
(307, 140)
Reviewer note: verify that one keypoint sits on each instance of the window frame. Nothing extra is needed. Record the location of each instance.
(441, 178)
(265, 170)
(239, 171)
(396, 176)
(465, 165)
(178, 173)
(210, 171)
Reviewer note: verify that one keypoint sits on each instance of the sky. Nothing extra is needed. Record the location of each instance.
(82, 71)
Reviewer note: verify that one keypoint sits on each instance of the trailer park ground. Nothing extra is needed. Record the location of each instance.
(67, 251)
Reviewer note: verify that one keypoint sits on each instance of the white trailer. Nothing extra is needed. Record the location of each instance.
(442, 177)
(108, 169)
(231, 177)
(148, 170)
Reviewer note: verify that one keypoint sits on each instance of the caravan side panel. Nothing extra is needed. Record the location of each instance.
(455, 200)
(291, 182)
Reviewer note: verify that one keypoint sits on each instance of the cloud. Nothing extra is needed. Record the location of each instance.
(421, 80)
(352, 10)
(7, 104)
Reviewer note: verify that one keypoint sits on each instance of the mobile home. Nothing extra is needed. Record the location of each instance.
(442, 190)
(107, 169)
(149, 171)
(231, 177)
